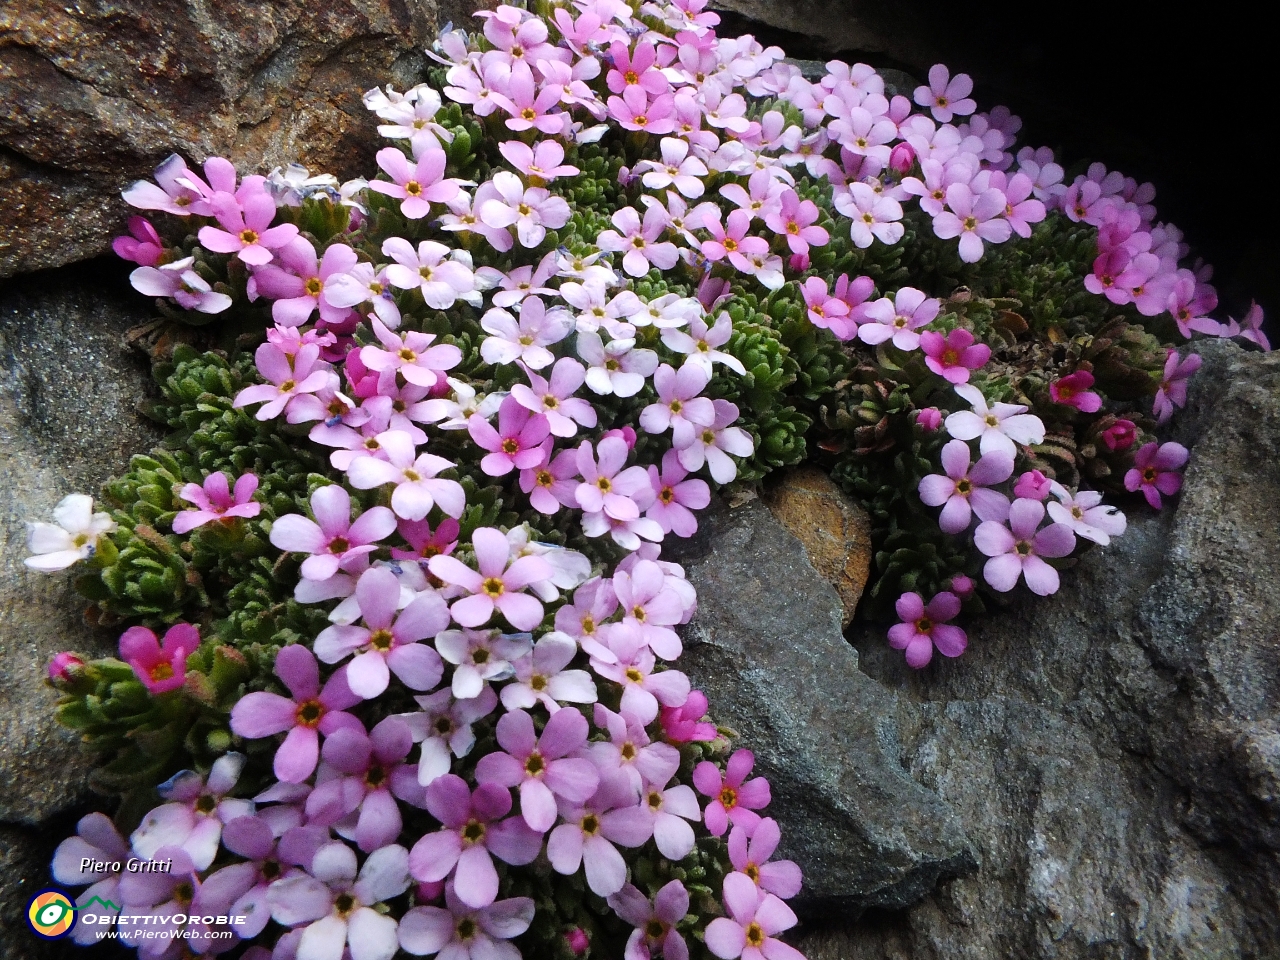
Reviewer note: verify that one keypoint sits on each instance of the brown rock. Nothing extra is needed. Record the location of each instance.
(835, 531)
(96, 94)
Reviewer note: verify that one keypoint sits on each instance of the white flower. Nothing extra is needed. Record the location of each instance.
(73, 536)
(999, 426)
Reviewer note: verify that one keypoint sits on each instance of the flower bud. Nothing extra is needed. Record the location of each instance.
(626, 433)
(578, 940)
(1120, 435)
(902, 158)
(929, 419)
(1032, 485)
(61, 666)
(962, 586)
(799, 262)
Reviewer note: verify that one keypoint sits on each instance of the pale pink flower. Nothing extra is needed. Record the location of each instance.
(1000, 426)
(466, 933)
(700, 343)
(1173, 385)
(899, 318)
(540, 163)
(496, 585)
(754, 919)
(1016, 550)
(655, 923)
(873, 216)
(532, 212)
(554, 399)
(528, 338)
(178, 281)
(713, 444)
(332, 540)
(640, 240)
(973, 217)
(417, 488)
(946, 96)
(441, 276)
(416, 185)
(963, 491)
(749, 852)
(588, 835)
(608, 485)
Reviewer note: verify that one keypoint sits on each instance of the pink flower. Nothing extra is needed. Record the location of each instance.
(946, 96)
(731, 240)
(1016, 550)
(417, 489)
(1086, 514)
(1156, 471)
(529, 107)
(749, 851)
(441, 278)
(411, 356)
(332, 540)
(309, 713)
(540, 163)
(795, 220)
(929, 419)
(177, 191)
(676, 169)
(555, 401)
(699, 344)
(496, 585)
(246, 228)
(954, 356)
(541, 677)
(1120, 435)
(551, 482)
(874, 216)
(587, 836)
(618, 367)
(532, 212)
(644, 688)
(732, 799)
(465, 933)
(922, 628)
(1032, 485)
(635, 111)
(296, 282)
(899, 318)
(540, 765)
(675, 497)
(713, 444)
(1252, 330)
(179, 281)
(64, 665)
(679, 406)
(962, 491)
(387, 643)
(526, 339)
(289, 376)
(143, 247)
(516, 444)
(1073, 391)
(416, 185)
(639, 240)
(754, 918)
(161, 666)
(655, 923)
(902, 158)
(608, 485)
(973, 217)
(473, 833)
(215, 502)
(1173, 386)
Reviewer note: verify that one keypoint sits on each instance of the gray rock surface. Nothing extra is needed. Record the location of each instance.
(97, 94)
(69, 392)
(766, 647)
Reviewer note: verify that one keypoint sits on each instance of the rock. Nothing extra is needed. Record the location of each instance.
(766, 647)
(835, 531)
(1113, 751)
(69, 393)
(101, 93)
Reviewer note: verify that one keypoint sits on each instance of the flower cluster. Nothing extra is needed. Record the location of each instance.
(418, 628)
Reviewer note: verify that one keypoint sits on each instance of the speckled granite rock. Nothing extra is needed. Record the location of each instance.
(69, 392)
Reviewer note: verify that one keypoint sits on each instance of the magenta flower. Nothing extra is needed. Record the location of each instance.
(473, 833)
(749, 852)
(1120, 435)
(215, 502)
(946, 96)
(675, 497)
(591, 833)
(64, 665)
(732, 799)
(1016, 550)
(388, 642)
(496, 585)
(332, 540)
(1073, 391)
(731, 241)
(296, 282)
(160, 666)
(1173, 387)
(655, 923)
(308, 714)
(144, 246)
(367, 774)
(754, 918)
(417, 488)
(465, 933)
(540, 765)
(1156, 471)
(246, 228)
(973, 217)
(515, 444)
(922, 628)
(962, 490)
(290, 376)
(954, 356)
(416, 185)
(796, 220)
(424, 542)
(685, 723)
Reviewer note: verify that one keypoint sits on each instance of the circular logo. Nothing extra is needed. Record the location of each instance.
(51, 914)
